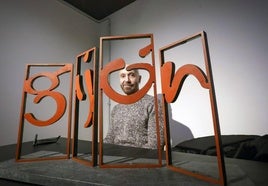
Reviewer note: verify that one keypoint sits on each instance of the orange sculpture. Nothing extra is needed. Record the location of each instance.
(97, 84)
(81, 95)
(39, 95)
(171, 87)
(105, 88)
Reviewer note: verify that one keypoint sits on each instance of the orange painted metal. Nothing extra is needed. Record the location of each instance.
(91, 82)
(171, 86)
(39, 95)
(105, 88)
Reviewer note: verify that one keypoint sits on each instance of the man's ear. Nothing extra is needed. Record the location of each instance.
(139, 78)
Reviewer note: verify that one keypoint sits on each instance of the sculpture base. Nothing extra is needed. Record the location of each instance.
(69, 172)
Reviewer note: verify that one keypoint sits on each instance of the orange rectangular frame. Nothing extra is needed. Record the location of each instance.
(59, 98)
(159, 153)
(209, 85)
(87, 56)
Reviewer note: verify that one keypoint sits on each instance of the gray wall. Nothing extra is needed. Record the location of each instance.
(237, 36)
(36, 31)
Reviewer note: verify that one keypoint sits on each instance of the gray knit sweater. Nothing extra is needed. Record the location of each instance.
(134, 124)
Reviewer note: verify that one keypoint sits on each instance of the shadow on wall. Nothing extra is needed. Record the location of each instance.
(178, 131)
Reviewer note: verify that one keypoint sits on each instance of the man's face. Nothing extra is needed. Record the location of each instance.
(129, 81)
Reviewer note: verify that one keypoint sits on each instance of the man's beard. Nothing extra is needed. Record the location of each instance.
(129, 88)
